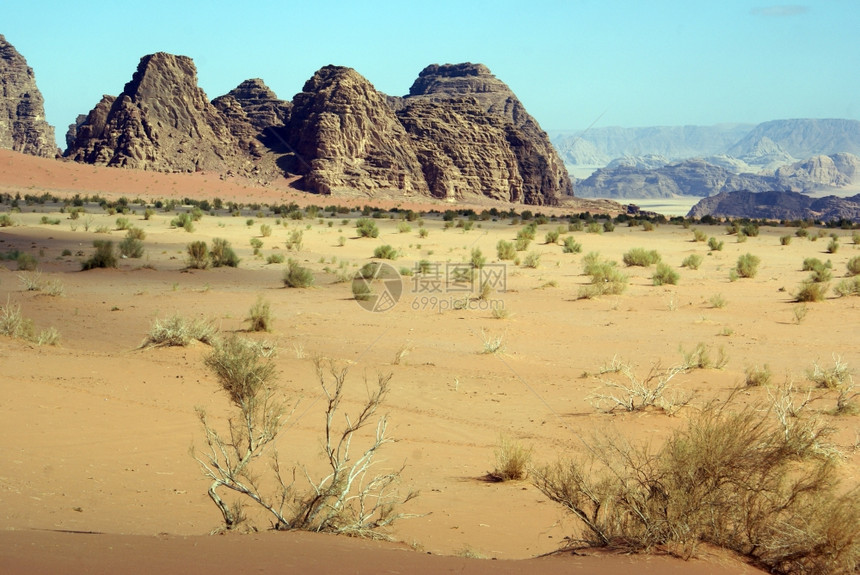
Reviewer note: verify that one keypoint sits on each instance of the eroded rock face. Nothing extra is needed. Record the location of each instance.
(345, 135)
(162, 121)
(255, 116)
(23, 127)
(521, 166)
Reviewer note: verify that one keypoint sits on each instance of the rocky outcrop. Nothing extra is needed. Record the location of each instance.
(23, 127)
(775, 205)
(345, 135)
(163, 121)
(468, 89)
(837, 171)
(255, 116)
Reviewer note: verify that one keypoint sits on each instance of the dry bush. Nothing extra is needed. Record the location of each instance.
(14, 324)
(631, 392)
(730, 478)
(700, 358)
(179, 332)
(512, 460)
(757, 376)
(605, 277)
(347, 499)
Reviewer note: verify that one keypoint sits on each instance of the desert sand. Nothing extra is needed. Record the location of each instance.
(95, 432)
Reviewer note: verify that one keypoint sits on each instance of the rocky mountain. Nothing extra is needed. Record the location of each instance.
(801, 138)
(345, 135)
(473, 135)
(23, 127)
(163, 121)
(687, 178)
(778, 206)
(460, 132)
(835, 171)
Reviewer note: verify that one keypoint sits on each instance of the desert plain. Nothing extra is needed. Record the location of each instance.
(96, 473)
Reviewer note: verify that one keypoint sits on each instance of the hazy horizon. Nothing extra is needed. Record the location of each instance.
(573, 63)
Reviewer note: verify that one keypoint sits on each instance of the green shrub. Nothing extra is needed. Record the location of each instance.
(747, 266)
(478, 259)
(198, 255)
(104, 256)
(385, 252)
(815, 264)
(802, 232)
(593, 228)
(6, 221)
(571, 246)
(664, 274)
(260, 316)
(529, 232)
(715, 245)
(811, 291)
(275, 259)
(784, 240)
(296, 276)
(692, 261)
(505, 250)
(265, 230)
(122, 224)
(606, 279)
(404, 228)
(699, 235)
(222, 254)
(26, 262)
(531, 260)
(757, 376)
(552, 237)
(853, 266)
(833, 246)
(361, 291)
(641, 257)
(423, 233)
(183, 220)
(366, 228)
(131, 247)
(294, 241)
(522, 244)
(848, 286)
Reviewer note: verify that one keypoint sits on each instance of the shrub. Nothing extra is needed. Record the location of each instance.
(848, 286)
(275, 259)
(26, 262)
(505, 250)
(640, 257)
(478, 260)
(198, 255)
(522, 244)
(222, 254)
(122, 224)
(853, 266)
(260, 316)
(717, 301)
(423, 233)
(664, 274)
(608, 226)
(361, 291)
(784, 240)
(296, 276)
(104, 256)
(757, 376)
(348, 499)
(179, 332)
(552, 237)
(811, 291)
(833, 246)
(6, 221)
(834, 377)
(404, 228)
(14, 324)
(715, 245)
(747, 266)
(700, 358)
(571, 246)
(692, 261)
(512, 460)
(699, 235)
(815, 264)
(605, 277)
(183, 220)
(294, 242)
(385, 252)
(131, 247)
(734, 478)
(366, 228)
(532, 260)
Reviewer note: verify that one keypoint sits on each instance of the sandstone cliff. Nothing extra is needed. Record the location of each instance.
(22, 110)
(345, 135)
(163, 121)
(468, 95)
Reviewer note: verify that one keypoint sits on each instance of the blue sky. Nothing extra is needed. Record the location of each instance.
(621, 63)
